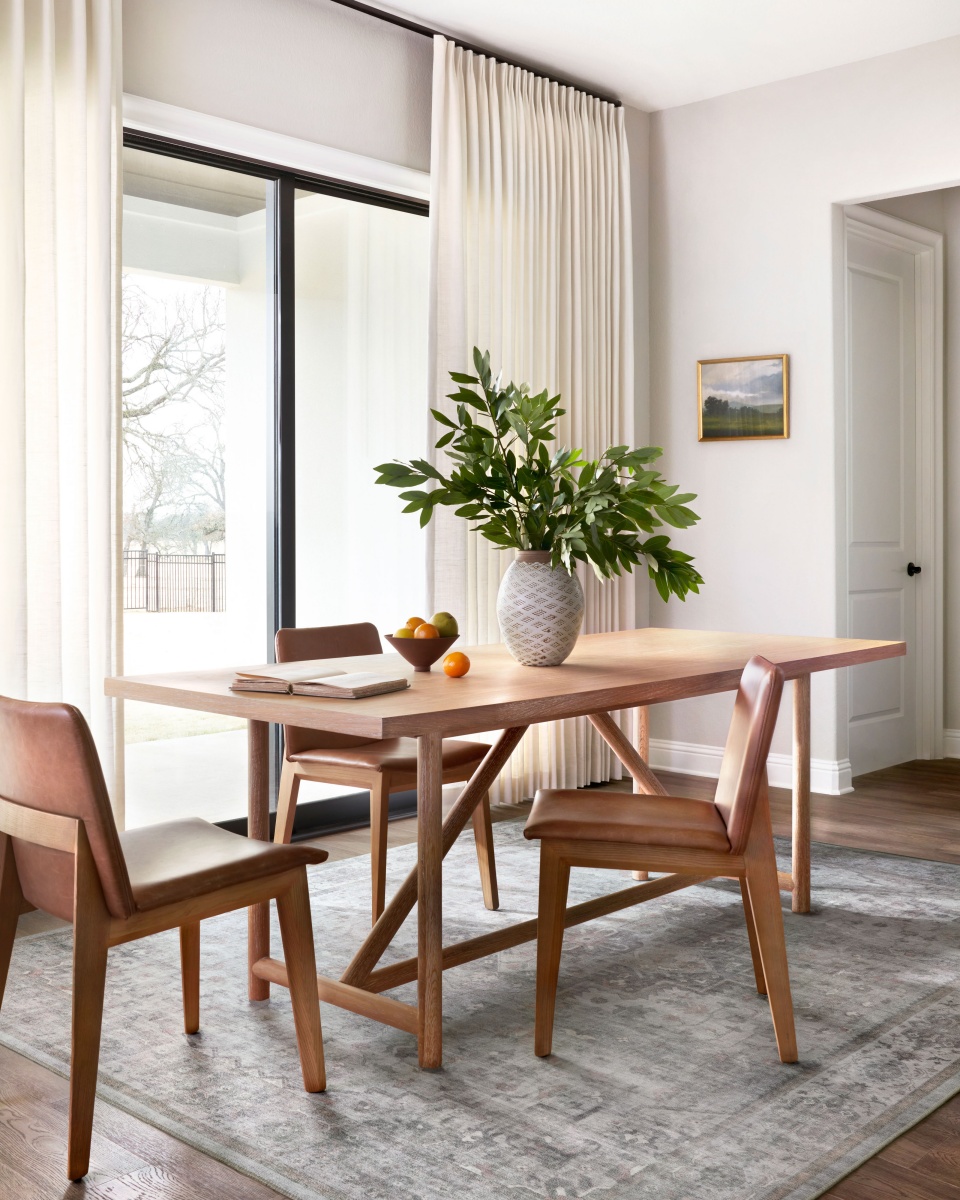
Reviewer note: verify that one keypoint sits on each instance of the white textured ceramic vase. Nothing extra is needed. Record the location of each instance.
(540, 610)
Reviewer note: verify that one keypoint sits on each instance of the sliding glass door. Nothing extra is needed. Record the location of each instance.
(361, 387)
(274, 351)
(196, 396)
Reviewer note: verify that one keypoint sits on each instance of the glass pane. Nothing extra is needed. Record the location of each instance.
(361, 388)
(197, 392)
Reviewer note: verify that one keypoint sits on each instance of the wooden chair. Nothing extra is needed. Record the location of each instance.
(60, 852)
(378, 767)
(729, 836)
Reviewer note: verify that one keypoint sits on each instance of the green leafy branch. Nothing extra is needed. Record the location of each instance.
(523, 494)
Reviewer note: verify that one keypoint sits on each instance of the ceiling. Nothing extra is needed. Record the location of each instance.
(655, 54)
(191, 185)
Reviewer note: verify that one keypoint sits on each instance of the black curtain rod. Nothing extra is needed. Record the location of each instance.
(426, 31)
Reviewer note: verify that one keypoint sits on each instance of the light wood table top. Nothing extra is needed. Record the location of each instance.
(607, 671)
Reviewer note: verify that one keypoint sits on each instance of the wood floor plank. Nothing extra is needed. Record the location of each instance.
(881, 1180)
(33, 1131)
(942, 1162)
(159, 1183)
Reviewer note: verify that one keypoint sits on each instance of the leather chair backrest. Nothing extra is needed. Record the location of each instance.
(744, 765)
(48, 762)
(324, 641)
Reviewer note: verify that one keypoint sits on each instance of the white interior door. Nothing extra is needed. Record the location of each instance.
(882, 506)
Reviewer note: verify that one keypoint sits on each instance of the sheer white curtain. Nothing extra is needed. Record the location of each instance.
(531, 260)
(59, 138)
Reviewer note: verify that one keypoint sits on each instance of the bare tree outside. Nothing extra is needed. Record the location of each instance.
(173, 377)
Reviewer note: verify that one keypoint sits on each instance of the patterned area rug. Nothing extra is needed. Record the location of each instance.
(664, 1083)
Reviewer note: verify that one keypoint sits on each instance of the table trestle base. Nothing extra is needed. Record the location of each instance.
(364, 1003)
(367, 1001)
(485, 944)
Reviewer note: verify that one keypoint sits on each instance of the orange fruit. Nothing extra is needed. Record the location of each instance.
(413, 622)
(456, 664)
(425, 630)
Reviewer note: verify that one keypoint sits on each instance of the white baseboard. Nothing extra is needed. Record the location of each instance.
(827, 777)
(951, 743)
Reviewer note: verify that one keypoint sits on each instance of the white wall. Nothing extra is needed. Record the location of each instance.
(306, 68)
(743, 235)
(940, 210)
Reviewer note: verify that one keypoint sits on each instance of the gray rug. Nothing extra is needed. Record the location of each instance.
(664, 1084)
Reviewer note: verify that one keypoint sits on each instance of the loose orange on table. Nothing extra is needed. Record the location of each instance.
(456, 664)
(426, 630)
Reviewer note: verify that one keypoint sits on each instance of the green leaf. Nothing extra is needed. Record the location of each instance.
(520, 493)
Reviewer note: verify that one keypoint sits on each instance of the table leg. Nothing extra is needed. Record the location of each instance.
(801, 794)
(643, 749)
(643, 733)
(430, 898)
(258, 826)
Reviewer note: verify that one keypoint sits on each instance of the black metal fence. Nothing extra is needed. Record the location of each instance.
(174, 582)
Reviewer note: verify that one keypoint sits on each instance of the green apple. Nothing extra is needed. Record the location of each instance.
(446, 624)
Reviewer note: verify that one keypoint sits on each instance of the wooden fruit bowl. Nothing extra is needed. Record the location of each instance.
(421, 653)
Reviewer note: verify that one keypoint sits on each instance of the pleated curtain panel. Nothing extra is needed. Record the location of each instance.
(60, 92)
(531, 259)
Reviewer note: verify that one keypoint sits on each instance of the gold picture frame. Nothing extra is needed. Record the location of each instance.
(738, 403)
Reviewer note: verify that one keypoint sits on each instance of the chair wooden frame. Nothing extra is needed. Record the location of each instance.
(309, 643)
(741, 813)
(95, 931)
(756, 869)
(381, 785)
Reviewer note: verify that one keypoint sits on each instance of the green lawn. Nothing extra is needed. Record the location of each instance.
(153, 723)
(743, 422)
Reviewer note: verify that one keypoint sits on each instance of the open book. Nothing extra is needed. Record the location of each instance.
(315, 678)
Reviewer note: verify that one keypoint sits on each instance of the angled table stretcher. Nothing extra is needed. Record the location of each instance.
(607, 672)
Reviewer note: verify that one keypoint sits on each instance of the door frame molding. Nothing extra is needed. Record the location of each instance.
(926, 245)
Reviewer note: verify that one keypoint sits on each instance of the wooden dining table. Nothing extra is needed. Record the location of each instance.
(607, 673)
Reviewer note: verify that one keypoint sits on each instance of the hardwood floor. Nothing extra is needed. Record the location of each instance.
(911, 810)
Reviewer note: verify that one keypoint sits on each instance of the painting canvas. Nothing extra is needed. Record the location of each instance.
(743, 398)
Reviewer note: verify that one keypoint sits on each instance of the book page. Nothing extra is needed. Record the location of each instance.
(358, 679)
(295, 672)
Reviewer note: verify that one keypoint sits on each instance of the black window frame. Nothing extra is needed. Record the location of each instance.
(281, 435)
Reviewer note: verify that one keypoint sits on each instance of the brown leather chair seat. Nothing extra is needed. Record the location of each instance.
(639, 820)
(178, 860)
(392, 754)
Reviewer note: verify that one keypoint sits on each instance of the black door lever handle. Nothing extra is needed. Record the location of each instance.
(913, 569)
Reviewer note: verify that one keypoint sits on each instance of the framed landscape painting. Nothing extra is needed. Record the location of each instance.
(743, 398)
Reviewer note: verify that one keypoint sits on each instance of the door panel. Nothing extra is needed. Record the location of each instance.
(882, 495)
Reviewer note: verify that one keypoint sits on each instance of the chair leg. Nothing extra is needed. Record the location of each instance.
(763, 891)
(190, 975)
(379, 820)
(554, 879)
(296, 931)
(286, 802)
(11, 903)
(754, 944)
(90, 932)
(483, 836)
